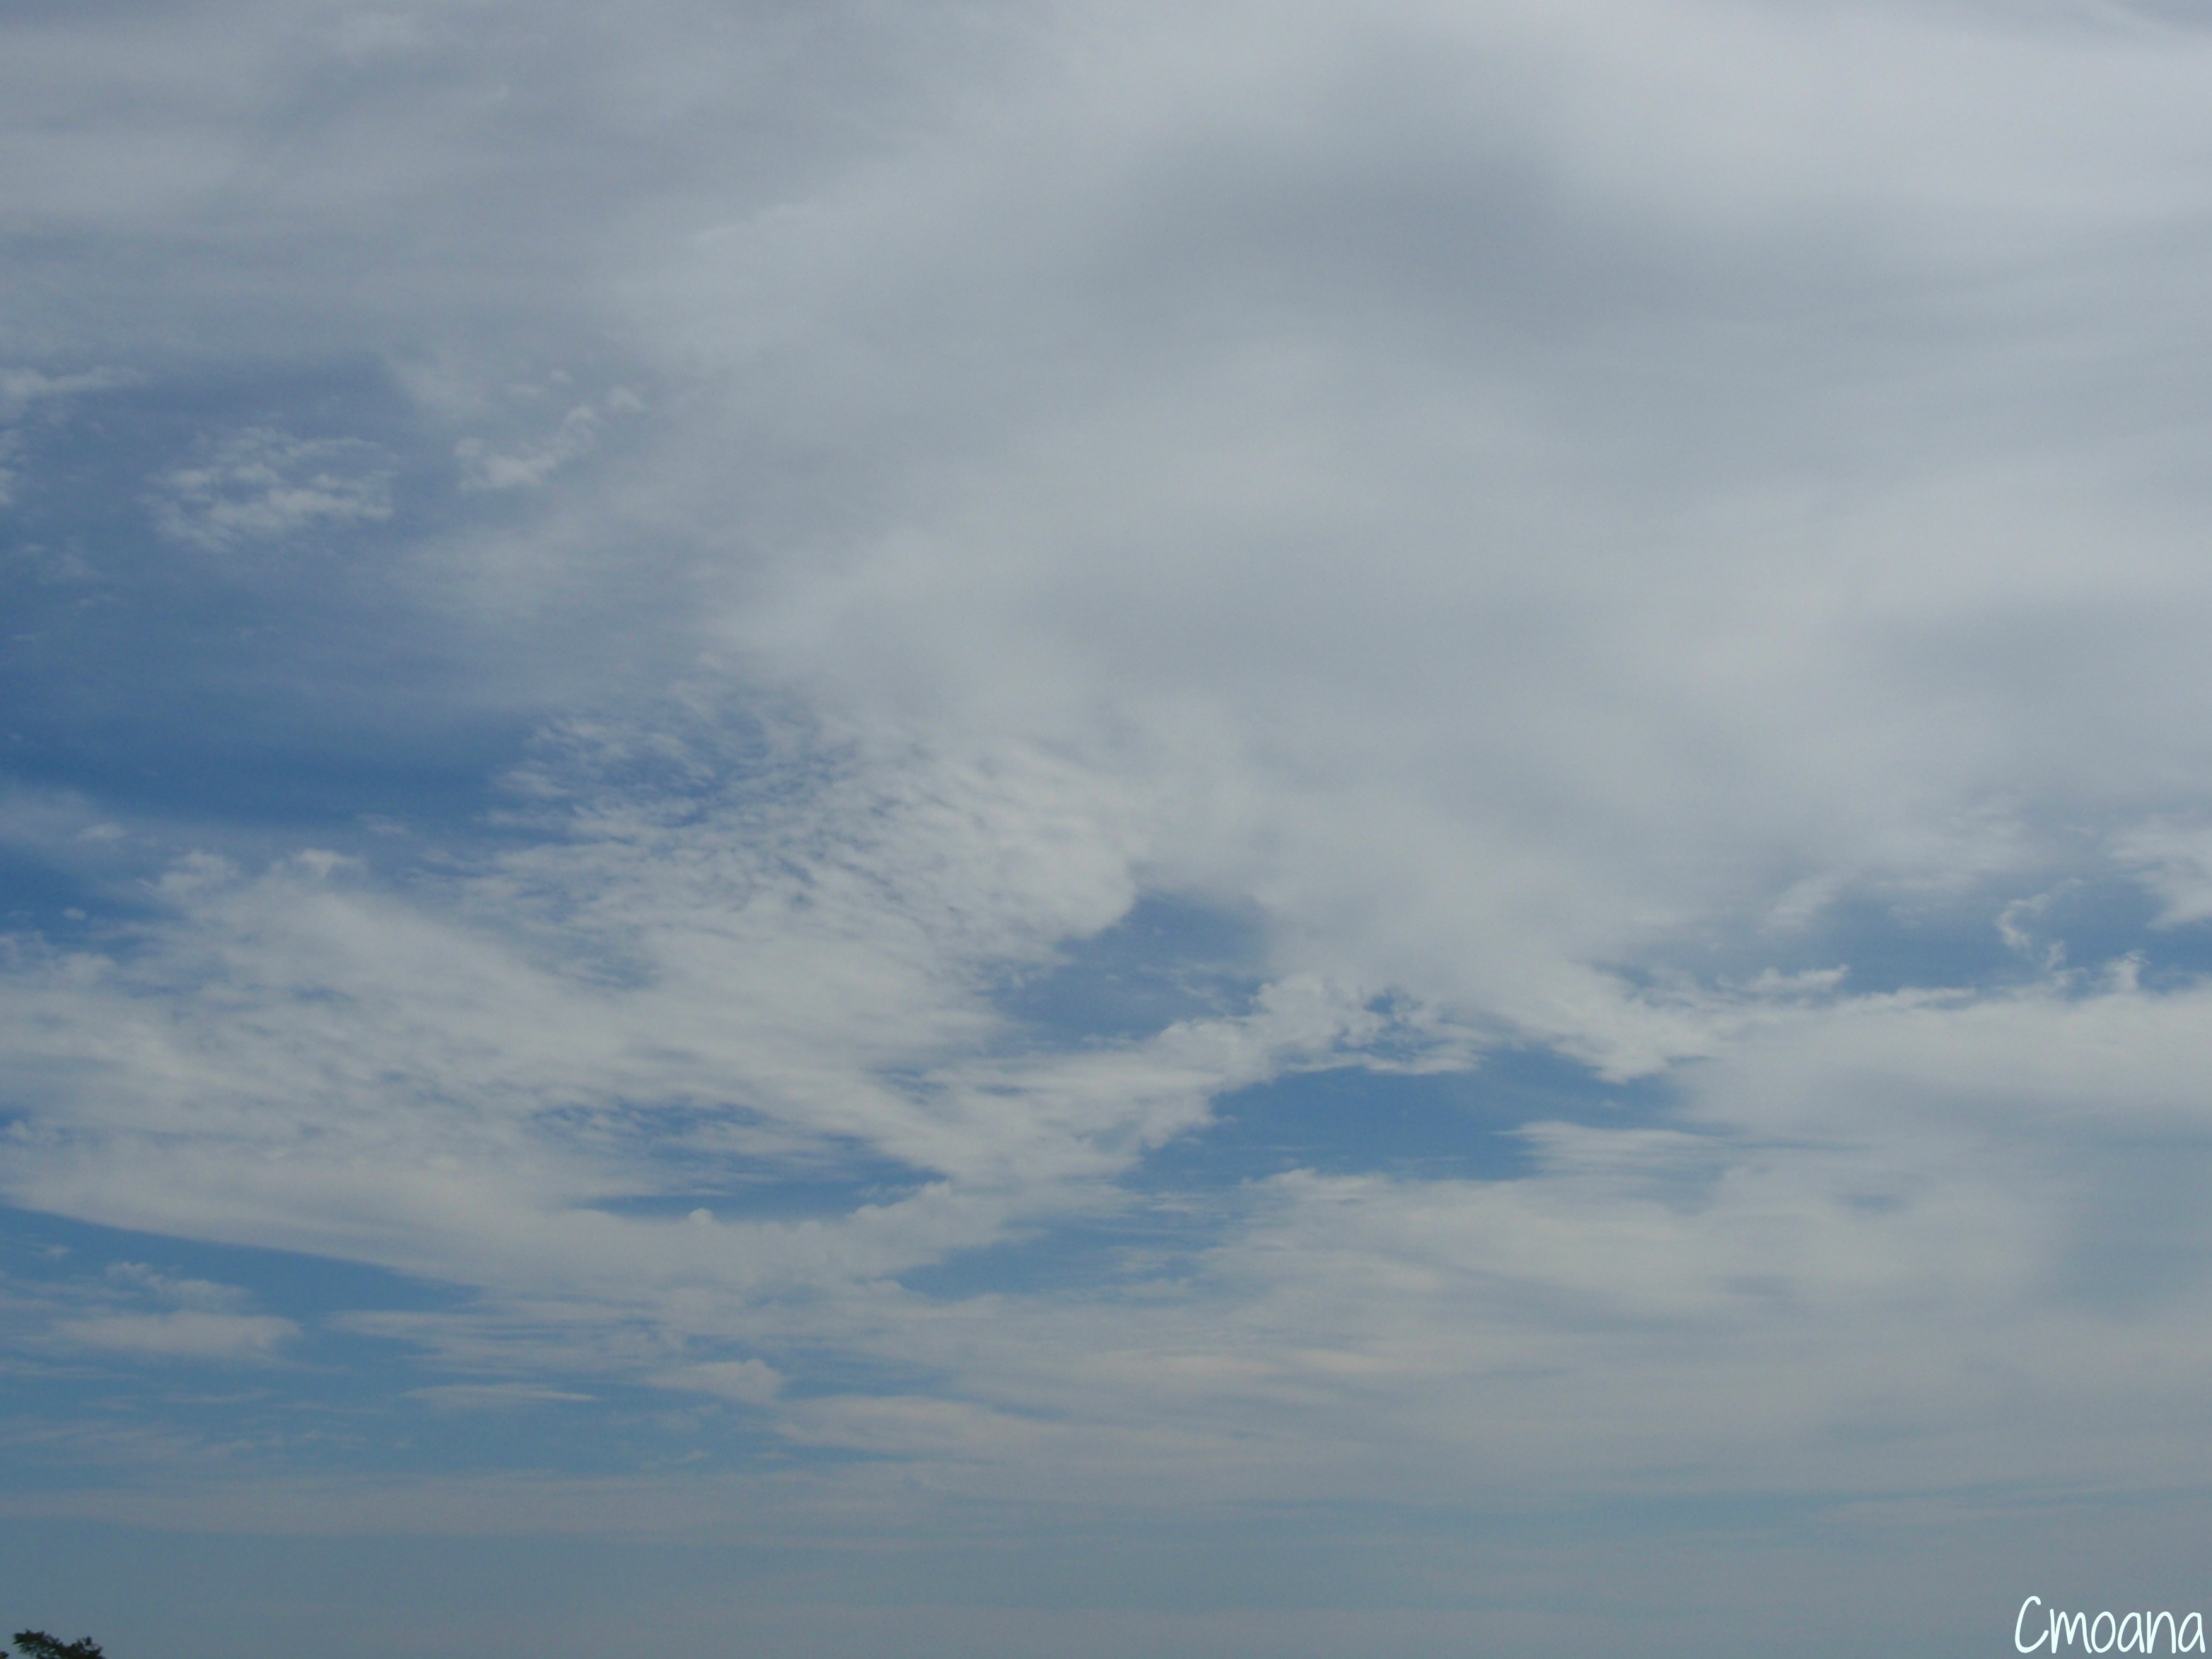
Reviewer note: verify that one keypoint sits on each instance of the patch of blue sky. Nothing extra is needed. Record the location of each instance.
(1189, 1194)
(79, 1272)
(1460, 1126)
(1172, 959)
(37, 895)
(771, 1192)
(1168, 959)
(731, 1162)
(331, 1394)
(347, 1391)
(182, 647)
(1130, 1250)
(1996, 933)
(291, 1285)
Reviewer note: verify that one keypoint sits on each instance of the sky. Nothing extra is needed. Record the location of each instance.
(1041, 830)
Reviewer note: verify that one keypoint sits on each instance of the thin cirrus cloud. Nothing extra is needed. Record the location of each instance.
(873, 646)
(260, 486)
(190, 1320)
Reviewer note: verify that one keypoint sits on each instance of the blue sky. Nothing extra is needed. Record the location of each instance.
(1027, 829)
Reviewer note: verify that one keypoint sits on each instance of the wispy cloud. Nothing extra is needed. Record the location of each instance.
(186, 1333)
(22, 389)
(493, 1396)
(192, 1320)
(262, 486)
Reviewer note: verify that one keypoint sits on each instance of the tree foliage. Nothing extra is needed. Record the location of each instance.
(36, 1644)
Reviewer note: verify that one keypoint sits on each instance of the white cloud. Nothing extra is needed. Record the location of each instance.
(2175, 860)
(192, 1320)
(263, 486)
(186, 1333)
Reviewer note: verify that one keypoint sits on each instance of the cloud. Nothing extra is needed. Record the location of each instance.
(2175, 860)
(195, 1320)
(187, 1333)
(745, 1380)
(493, 1396)
(1656, 535)
(21, 389)
(265, 486)
(577, 435)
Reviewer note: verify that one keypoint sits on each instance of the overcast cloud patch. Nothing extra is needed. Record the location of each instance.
(1417, 778)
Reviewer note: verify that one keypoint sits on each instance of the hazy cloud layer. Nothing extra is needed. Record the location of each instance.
(731, 685)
